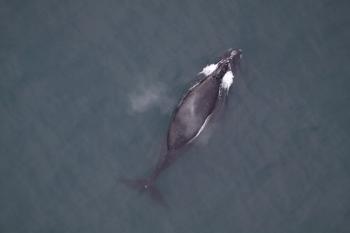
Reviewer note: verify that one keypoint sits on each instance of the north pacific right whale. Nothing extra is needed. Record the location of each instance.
(191, 115)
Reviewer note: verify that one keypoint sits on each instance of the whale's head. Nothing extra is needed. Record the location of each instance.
(227, 67)
(231, 59)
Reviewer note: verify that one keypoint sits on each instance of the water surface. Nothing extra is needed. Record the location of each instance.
(86, 93)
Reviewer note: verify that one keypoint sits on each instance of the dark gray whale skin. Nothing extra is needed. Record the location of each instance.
(189, 117)
(202, 98)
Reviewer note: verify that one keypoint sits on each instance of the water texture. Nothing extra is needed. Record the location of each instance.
(86, 93)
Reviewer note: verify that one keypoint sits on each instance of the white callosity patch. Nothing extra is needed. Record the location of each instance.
(227, 80)
(209, 69)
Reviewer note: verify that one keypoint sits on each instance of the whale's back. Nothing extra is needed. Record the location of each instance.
(192, 111)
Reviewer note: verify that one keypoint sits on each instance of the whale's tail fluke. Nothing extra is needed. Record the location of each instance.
(145, 185)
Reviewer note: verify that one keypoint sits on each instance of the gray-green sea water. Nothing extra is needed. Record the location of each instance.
(87, 89)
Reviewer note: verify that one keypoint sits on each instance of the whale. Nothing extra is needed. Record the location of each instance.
(194, 111)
